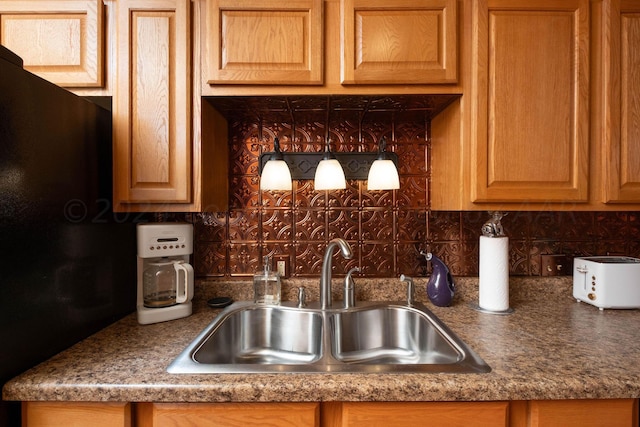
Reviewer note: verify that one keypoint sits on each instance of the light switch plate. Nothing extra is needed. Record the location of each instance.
(554, 265)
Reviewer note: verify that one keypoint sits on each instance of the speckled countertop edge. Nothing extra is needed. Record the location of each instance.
(551, 347)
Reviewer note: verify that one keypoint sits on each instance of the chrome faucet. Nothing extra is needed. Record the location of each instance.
(325, 278)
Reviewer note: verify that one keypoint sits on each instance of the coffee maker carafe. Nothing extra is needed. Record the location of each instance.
(165, 277)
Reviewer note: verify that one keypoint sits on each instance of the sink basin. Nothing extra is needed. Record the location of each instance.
(372, 337)
(263, 335)
(391, 335)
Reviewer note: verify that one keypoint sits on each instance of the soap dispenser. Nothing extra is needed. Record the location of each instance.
(440, 288)
(266, 285)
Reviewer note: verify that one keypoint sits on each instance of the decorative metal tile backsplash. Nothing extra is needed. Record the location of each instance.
(386, 229)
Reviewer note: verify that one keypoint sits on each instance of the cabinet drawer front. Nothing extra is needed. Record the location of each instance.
(229, 414)
(59, 41)
(257, 42)
(532, 82)
(407, 42)
(584, 413)
(433, 414)
(96, 414)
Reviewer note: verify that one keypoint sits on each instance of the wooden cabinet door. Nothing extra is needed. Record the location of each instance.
(228, 414)
(95, 414)
(398, 42)
(152, 104)
(583, 413)
(621, 100)
(415, 414)
(60, 41)
(530, 101)
(272, 42)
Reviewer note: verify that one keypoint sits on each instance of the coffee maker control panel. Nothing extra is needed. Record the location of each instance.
(164, 239)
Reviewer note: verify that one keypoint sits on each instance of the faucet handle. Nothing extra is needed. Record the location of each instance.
(350, 273)
(410, 288)
(349, 289)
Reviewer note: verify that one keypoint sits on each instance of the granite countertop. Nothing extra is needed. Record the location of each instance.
(551, 347)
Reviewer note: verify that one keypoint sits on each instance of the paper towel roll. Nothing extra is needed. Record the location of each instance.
(494, 273)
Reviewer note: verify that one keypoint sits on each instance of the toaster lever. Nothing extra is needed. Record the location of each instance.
(583, 270)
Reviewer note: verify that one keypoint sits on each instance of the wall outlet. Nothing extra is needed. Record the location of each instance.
(282, 265)
(555, 265)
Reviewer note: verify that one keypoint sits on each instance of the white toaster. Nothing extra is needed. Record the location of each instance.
(607, 281)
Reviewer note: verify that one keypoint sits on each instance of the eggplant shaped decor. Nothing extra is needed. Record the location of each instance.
(440, 287)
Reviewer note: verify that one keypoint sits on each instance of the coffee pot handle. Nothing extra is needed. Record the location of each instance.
(188, 281)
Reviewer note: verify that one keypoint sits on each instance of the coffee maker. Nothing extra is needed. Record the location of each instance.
(165, 277)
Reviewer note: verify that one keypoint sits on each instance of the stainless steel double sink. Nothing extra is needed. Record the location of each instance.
(371, 337)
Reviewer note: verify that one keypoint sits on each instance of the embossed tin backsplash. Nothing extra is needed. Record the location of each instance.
(386, 229)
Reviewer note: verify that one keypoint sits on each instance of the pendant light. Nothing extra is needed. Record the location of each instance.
(383, 174)
(276, 174)
(329, 174)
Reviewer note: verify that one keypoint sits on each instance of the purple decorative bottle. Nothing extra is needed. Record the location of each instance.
(440, 287)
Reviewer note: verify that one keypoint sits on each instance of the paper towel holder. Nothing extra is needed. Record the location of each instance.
(493, 229)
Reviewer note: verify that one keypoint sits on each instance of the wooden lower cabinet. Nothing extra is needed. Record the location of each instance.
(228, 414)
(409, 414)
(575, 413)
(545, 413)
(71, 414)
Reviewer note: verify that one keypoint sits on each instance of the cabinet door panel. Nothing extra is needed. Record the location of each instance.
(228, 414)
(433, 414)
(152, 104)
(60, 41)
(584, 413)
(264, 42)
(532, 92)
(407, 41)
(621, 50)
(95, 414)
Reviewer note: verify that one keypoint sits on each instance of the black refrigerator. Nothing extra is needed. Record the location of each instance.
(67, 262)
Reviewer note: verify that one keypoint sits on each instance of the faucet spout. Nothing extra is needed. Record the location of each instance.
(325, 278)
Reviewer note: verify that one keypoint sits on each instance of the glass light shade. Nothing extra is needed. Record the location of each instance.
(329, 175)
(275, 176)
(383, 175)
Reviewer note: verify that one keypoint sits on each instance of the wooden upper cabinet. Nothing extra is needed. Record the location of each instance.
(621, 101)
(152, 103)
(263, 42)
(530, 97)
(60, 41)
(398, 42)
(319, 47)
